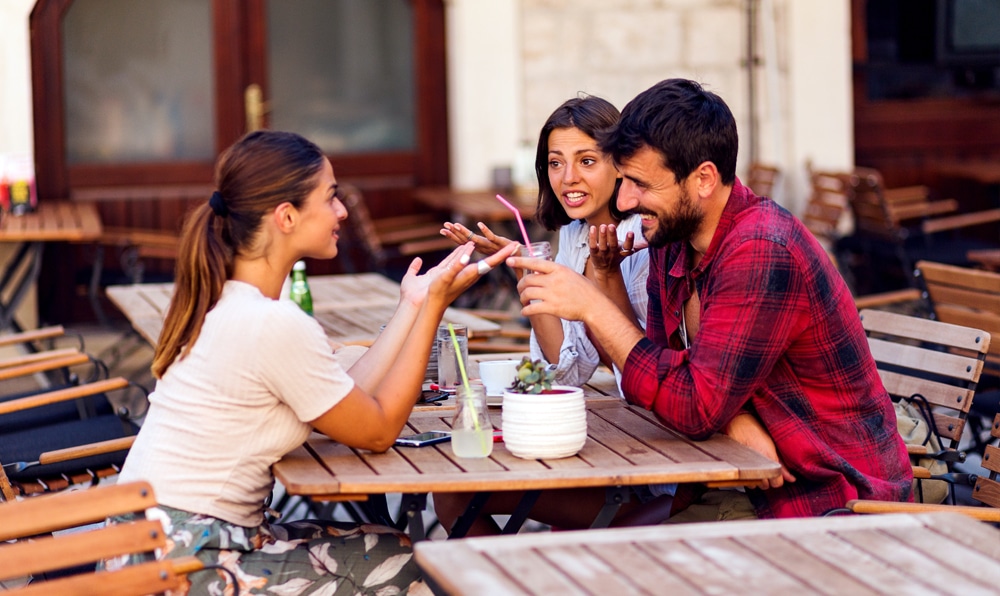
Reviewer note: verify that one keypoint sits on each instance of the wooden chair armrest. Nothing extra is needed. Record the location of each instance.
(61, 395)
(887, 298)
(30, 368)
(918, 210)
(865, 506)
(81, 451)
(32, 335)
(906, 194)
(962, 220)
(38, 357)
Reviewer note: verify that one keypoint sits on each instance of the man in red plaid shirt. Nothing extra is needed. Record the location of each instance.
(751, 330)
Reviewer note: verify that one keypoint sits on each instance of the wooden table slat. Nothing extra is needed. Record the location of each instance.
(836, 555)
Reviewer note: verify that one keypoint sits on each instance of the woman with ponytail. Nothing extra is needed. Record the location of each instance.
(244, 377)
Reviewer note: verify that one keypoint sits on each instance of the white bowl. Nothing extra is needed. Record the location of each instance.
(545, 426)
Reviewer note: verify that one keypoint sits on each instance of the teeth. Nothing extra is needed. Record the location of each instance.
(574, 195)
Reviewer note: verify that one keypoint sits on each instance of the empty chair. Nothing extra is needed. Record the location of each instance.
(762, 178)
(894, 228)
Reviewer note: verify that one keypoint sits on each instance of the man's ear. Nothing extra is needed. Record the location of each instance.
(286, 217)
(707, 177)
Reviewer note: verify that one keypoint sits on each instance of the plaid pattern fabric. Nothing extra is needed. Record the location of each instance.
(780, 336)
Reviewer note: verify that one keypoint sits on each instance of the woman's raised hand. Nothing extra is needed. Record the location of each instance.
(452, 276)
(487, 243)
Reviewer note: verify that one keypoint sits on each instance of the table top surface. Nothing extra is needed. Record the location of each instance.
(476, 205)
(351, 307)
(982, 171)
(625, 446)
(53, 221)
(939, 553)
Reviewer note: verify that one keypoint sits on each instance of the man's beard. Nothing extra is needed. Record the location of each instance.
(681, 225)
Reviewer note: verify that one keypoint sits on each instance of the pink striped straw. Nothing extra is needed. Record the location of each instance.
(520, 222)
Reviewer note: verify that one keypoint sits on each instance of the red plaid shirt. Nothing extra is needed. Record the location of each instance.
(780, 336)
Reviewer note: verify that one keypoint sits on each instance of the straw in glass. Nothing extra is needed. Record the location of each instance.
(465, 380)
(520, 222)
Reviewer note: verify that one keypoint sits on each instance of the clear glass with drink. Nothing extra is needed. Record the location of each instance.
(539, 250)
(449, 374)
(471, 429)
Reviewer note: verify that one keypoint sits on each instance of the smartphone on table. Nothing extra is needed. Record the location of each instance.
(423, 439)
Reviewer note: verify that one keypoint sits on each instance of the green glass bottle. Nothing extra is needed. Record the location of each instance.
(300, 293)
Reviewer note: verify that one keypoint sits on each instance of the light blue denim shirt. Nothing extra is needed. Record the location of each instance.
(578, 358)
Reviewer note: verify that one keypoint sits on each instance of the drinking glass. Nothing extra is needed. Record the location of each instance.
(448, 373)
(471, 429)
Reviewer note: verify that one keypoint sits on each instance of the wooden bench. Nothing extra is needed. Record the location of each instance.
(36, 551)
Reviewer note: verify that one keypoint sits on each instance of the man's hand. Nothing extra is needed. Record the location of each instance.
(745, 429)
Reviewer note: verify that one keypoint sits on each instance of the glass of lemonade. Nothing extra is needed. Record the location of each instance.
(471, 429)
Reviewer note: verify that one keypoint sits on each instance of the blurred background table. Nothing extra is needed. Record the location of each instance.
(50, 222)
(474, 205)
(351, 308)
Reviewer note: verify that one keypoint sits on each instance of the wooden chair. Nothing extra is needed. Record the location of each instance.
(69, 435)
(762, 178)
(384, 241)
(986, 490)
(971, 297)
(823, 214)
(72, 556)
(933, 365)
(903, 225)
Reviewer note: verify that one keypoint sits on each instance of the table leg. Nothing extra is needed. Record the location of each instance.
(464, 522)
(413, 505)
(613, 500)
(521, 511)
(30, 253)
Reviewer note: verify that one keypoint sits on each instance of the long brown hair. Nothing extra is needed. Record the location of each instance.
(591, 115)
(256, 174)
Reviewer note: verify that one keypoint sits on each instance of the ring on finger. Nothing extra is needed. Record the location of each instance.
(471, 236)
(483, 267)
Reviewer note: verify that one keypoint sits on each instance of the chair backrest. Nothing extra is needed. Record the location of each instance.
(828, 200)
(761, 178)
(361, 231)
(939, 361)
(964, 296)
(65, 436)
(74, 554)
(987, 490)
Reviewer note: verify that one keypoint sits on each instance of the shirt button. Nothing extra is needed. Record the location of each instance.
(677, 313)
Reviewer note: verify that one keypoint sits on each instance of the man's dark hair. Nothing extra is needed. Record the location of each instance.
(685, 123)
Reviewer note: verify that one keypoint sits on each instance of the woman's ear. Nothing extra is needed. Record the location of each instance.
(286, 216)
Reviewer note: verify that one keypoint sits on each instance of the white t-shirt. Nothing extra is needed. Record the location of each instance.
(578, 357)
(260, 370)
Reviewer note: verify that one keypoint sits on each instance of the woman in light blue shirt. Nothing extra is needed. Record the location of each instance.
(578, 188)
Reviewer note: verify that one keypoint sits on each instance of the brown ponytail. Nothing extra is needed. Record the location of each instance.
(256, 174)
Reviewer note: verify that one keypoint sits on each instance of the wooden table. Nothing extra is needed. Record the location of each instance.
(351, 308)
(625, 446)
(50, 222)
(939, 553)
(474, 205)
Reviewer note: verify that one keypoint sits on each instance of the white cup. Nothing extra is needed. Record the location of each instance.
(497, 375)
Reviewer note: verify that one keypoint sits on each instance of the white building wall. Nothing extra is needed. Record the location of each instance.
(511, 62)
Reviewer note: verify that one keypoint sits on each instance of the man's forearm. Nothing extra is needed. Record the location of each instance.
(616, 333)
